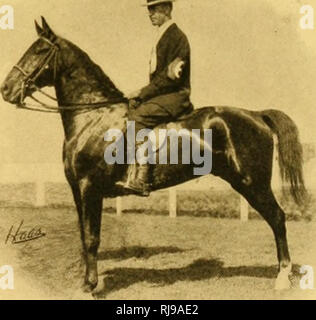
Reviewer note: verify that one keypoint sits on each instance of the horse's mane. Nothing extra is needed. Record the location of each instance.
(81, 58)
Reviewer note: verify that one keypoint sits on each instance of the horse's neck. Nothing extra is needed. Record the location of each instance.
(94, 122)
(79, 82)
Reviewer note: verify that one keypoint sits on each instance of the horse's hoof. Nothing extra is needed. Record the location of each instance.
(99, 288)
(282, 283)
(80, 295)
(88, 287)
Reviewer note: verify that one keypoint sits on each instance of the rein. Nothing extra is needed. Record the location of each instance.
(43, 107)
(29, 81)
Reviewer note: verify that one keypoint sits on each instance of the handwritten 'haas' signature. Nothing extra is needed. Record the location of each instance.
(20, 236)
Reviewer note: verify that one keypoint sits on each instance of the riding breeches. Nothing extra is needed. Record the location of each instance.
(160, 109)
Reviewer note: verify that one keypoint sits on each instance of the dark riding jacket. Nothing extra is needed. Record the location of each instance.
(173, 50)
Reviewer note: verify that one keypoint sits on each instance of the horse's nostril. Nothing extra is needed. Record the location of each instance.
(4, 88)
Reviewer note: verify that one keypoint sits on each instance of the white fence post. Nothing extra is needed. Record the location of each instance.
(244, 209)
(119, 206)
(172, 203)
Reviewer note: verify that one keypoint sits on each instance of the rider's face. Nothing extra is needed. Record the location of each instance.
(158, 15)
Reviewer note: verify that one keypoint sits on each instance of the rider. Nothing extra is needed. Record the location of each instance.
(167, 96)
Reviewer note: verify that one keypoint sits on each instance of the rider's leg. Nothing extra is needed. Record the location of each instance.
(138, 176)
(146, 116)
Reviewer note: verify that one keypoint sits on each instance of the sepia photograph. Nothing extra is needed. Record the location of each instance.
(157, 150)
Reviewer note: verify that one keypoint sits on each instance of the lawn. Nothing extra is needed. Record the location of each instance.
(146, 256)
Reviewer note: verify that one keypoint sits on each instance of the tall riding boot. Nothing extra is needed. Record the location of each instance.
(137, 179)
(137, 176)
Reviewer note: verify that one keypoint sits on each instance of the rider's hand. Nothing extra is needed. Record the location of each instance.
(134, 103)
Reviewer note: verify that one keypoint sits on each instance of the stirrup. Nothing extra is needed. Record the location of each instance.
(134, 184)
(144, 191)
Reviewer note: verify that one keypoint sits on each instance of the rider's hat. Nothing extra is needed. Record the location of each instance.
(154, 2)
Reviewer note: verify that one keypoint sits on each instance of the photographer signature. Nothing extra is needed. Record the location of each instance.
(20, 235)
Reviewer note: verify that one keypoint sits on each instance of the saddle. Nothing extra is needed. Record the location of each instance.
(186, 113)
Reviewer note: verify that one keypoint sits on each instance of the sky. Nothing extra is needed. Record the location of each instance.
(247, 53)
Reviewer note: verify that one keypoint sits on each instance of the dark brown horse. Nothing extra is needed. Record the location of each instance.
(90, 104)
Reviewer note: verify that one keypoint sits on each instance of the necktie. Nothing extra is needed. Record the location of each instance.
(153, 54)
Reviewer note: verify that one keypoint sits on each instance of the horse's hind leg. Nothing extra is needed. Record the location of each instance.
(265, 203)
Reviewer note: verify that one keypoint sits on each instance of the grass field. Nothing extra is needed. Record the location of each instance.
(155, 257)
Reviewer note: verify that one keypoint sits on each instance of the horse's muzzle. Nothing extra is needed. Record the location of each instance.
(10, 95)
(5, 91)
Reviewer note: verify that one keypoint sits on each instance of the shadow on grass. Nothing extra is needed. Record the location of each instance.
(201, 269)
(137, 252)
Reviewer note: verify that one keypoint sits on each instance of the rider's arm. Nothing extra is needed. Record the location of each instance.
(171, 77)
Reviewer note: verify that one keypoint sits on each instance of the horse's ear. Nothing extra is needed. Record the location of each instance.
(47, 29)
(39, 30)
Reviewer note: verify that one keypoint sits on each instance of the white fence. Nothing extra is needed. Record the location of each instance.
(43, 173)
(173, 207)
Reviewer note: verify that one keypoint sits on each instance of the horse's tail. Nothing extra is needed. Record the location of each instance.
(290, 151)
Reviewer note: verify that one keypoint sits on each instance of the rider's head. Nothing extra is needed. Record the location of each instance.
(159, 11)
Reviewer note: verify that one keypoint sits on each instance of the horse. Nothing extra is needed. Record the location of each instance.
(90, 104)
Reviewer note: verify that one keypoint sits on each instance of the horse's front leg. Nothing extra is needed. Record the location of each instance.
(90, 224)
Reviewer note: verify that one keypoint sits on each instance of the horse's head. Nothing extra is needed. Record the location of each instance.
(36, 69)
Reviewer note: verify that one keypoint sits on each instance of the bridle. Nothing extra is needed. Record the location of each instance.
(30, 78)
